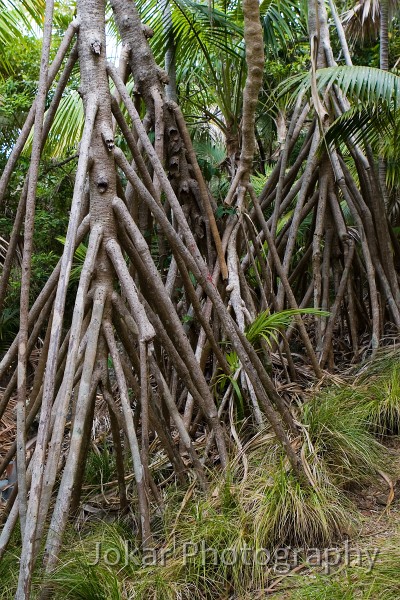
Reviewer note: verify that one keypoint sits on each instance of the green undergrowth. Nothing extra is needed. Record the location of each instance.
(218, 545)
(381, 582)
(9, 574)
(381, 401)
(221, 544)
(338, 430)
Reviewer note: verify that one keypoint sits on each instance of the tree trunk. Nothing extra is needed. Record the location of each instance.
(384, 65)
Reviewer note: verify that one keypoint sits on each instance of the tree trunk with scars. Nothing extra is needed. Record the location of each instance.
(141, 329)
(383, 64)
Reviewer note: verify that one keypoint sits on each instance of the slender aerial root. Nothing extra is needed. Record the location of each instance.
(60, 512)
(132, 437)
(117, 445)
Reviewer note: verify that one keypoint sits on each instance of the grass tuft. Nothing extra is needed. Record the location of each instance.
(380, 380)
(382, 403)
(92, 568)
(260, 505)
(8, 575)
(286, 512)
(339, 433)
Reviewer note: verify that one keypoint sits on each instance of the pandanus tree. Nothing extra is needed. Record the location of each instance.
(127, 307)
(370, 20)
(372, 120)
(328, 175)
(123, 312)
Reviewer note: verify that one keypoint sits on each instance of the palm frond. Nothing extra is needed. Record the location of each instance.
(33, 8)
(16, 19)
(374, 121)
(282, 23)
(66, 129)
(363, 124)
(363, 84)
(8, 25)
(362, 20)
(268, 325)
(196, 28)
(79, 259)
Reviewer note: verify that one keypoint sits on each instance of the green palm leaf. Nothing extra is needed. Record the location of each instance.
(363, 124)
(66, 129)
(79, 259)
(377, 126)
(283, 22)
(68, 124)
(363, 84)
(17, 17)
(374, 119)
(268, 325)
(195, 27)
(16, 20)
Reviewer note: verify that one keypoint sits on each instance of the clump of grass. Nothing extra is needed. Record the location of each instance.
(267, 509)
(210, 541)
(192, 568)
(100, 466)
(161, 583)
(216, 529)
(79, 580)
(382, 403)
(338, 431)
(383, 581)
(380, 380)
(9, 567)
(286, 512)
(380, 365)
(8, 575)
(323, 588)
(93, 567)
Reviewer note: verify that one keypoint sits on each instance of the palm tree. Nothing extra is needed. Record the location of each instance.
(370, 20)
(209, 55)
(373, 120)
(367, 19)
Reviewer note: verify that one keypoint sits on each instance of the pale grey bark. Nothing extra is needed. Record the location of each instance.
(48, 387)
(148, 313)
(61, 509)
(132, 437)
(26, 264)
(75, 348)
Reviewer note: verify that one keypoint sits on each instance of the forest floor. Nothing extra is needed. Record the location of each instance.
(365, 563)
(349, 573)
